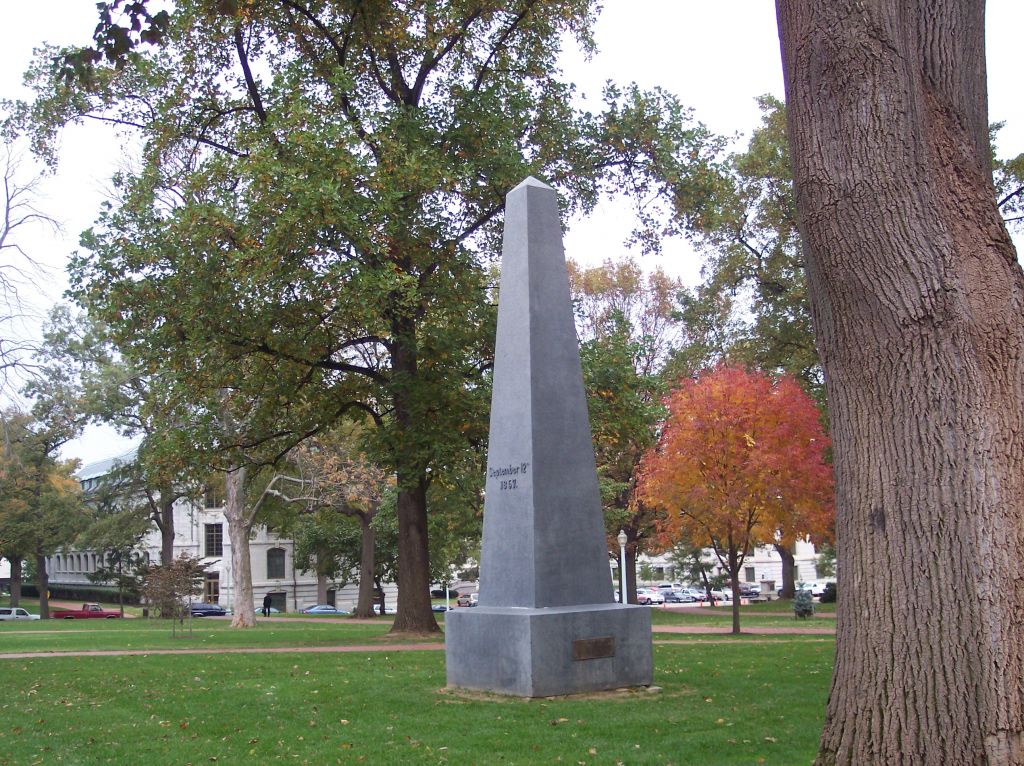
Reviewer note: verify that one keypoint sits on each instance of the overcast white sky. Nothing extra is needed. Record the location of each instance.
(716, 56)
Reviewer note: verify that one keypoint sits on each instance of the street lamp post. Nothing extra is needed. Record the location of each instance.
(622, 566)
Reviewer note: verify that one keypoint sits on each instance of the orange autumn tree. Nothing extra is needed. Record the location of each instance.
(740, 461)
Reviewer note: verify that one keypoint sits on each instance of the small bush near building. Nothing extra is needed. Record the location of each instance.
(803, 604)
(829, 596)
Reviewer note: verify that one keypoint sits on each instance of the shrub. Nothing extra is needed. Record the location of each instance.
(829, 596)
(803, 604)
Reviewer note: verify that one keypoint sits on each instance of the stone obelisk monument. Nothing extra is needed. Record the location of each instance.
(547, 622)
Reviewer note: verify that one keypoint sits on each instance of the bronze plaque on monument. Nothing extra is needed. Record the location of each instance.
(593, 648)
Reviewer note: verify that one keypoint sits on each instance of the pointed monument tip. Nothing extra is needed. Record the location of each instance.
(531, 181)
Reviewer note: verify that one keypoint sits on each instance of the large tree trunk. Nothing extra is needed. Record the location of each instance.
(165, 523)
(16, 576)
(43, 583)
(364, 604)
(239, 526)
(734, 583)
(918, 304)
(788, 571)
(321, 588)
(414, 614)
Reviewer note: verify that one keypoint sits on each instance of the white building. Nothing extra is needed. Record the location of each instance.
(765, 566)
(200, 530)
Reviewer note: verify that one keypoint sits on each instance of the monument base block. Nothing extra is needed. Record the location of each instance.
(551, 651)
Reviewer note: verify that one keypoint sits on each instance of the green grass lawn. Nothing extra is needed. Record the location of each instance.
(207, 633)
(772, 614)
(138, 634)
(741, 701)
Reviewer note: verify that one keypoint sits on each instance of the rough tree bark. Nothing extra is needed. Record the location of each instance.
(735, 562)
(788, 571)
(163, 516)
(240, 521)
(364, 604)
(16, 562)
(918, 303)
(43, 583)
(414, 614)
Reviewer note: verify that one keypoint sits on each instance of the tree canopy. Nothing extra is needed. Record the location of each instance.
(318, 200)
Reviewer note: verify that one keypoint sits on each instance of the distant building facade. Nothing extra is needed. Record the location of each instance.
(200, 530)
(765, 566)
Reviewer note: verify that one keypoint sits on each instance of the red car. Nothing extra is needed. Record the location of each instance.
(88, 611)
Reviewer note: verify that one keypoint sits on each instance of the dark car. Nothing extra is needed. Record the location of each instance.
(439, 608)
(323, 609)
(678, 597)
(207, 610)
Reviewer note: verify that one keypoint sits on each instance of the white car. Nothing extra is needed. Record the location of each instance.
(649, 596)
(16, 613)
(817, 587)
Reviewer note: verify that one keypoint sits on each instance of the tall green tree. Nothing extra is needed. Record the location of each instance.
(40, 504)
(319, 195)
(1008, 176)
(629, 324)
(337, 478)
(751, 305)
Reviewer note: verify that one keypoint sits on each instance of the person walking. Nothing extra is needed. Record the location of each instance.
(266, 605)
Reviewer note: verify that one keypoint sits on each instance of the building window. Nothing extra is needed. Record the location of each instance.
(275, 563)
(211, 587)
(279, 600)
(214, 539)
(748, 574)
(213, 497)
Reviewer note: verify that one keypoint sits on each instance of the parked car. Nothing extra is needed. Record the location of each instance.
(678, 597)
(817, 587)
(323, 609)
(649, 596)
(720, 595)
(750, 590)
(86, 612)
(200, 609)
(439, 608)
(669, 586)
(16, 613)
(468, 599)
